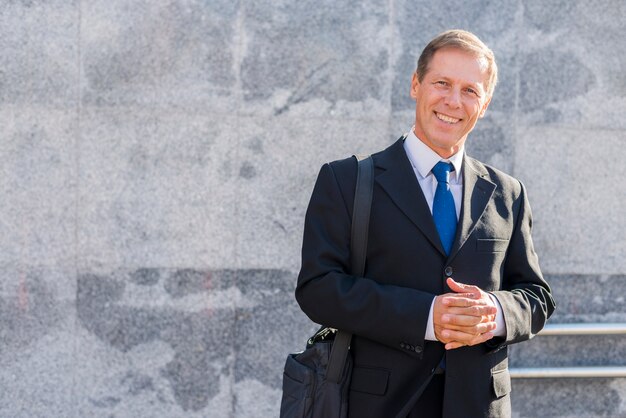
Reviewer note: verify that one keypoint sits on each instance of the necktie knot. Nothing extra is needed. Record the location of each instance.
(442, 170)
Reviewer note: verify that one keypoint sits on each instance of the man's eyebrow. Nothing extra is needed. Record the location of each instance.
(474, 84)
(477, 85)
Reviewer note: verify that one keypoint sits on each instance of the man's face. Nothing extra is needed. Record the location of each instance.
(450, 99)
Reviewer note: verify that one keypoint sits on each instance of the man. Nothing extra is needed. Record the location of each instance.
(451, 276)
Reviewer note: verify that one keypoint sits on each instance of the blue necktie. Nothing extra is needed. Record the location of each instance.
(444, 212)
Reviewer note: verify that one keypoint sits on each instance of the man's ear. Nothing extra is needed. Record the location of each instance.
(485, 106)
(415, 85)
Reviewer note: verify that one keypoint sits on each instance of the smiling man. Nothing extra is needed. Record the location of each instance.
(451, 275)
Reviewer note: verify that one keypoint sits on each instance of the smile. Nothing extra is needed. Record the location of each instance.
(446, 119)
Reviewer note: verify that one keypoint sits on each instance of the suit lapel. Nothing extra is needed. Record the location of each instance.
(398, 180)
(477, 192)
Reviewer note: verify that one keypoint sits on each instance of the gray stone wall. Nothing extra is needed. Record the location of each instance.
(156, 159)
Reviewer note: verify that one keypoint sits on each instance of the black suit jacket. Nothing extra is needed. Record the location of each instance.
(406, 268)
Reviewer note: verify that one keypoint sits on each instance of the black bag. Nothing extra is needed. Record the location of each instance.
(316, 381)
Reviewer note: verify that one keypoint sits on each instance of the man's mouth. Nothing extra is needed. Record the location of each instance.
(446, 119)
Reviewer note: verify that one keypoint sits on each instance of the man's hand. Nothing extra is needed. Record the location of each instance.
(465, 317)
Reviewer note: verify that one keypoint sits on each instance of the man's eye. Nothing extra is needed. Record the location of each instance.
(442, 83)
(472, 91)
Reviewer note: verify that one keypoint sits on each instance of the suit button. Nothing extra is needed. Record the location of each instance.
(448, 271)
(418, 349)
(402, 345)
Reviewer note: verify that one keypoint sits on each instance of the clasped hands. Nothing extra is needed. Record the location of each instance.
(465, 317)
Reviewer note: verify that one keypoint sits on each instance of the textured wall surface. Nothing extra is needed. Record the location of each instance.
(156, 159)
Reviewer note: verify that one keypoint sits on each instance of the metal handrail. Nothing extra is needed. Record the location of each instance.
(584, 329)
(564, 372)
(575, 372)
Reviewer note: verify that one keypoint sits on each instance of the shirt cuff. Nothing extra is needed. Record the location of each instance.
(500, 330)
(430, 326)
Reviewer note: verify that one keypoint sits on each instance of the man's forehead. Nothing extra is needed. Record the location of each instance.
(478, 74)
(475, 56)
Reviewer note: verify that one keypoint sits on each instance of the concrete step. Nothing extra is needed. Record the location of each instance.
(569, 351)
(568, 398)
(580, 299)
(588, 298)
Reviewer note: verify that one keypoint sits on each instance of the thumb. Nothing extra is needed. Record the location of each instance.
(460, 287)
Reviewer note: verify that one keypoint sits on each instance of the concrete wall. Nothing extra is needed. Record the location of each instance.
(156, 159)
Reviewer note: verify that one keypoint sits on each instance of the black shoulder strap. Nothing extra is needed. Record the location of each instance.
(361, 214)
(358, 248)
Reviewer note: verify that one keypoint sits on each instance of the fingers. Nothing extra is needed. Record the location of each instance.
(483, 311)
(464, 320)
(481, 338)
(447, 331)
(441, 338)
(466, 317)
(456, 317)
(456, 339)
(477, 329)
(461, 301)
(454, 344)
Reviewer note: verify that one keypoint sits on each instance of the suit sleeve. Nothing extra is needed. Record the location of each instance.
(526, 298)
(329, 295)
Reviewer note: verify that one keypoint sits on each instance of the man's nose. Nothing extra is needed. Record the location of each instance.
(453, 98)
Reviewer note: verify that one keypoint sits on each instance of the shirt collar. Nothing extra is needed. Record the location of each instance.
(424, 159)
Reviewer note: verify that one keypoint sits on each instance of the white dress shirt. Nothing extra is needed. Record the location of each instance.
(423, 159)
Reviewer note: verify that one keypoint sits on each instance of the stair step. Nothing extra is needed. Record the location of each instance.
(569, 351)
(571, 398)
